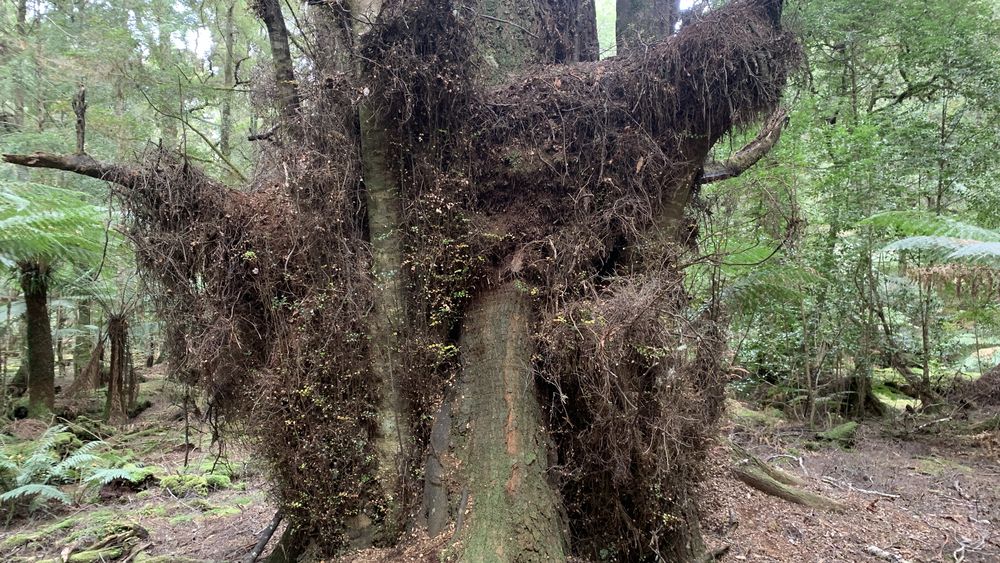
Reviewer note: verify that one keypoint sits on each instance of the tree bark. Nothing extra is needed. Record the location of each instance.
(388, 317)
(82, 343)
(41, 358)
(228, 81)
(121, 384)
(269, 11)
(498, 439)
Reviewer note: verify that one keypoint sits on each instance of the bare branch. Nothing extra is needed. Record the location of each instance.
(750, 154)
(82, 164)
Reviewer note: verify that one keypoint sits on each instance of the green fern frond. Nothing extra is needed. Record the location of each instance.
(919, 223)
(941, 237)
(104, 476)
(978, 251)
(42, 222)
(46, 492)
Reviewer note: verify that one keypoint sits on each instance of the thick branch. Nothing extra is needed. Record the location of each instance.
(81, 164)
(751, 153)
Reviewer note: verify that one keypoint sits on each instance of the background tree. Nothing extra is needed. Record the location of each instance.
(528, 248)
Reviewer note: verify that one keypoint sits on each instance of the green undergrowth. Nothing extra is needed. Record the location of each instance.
(745, 416)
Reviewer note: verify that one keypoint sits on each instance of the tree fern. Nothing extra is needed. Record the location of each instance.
(39, 222)
(943, 238)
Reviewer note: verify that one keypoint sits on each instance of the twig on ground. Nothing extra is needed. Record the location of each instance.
(845, 484)
(798, 459)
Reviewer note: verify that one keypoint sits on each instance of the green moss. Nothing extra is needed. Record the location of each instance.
(182, 519)
(18, 540)
(185, 485)
(894, 398)
(218, 481)
(743, 415)
(936, 466)
(102, 524)
(842, 434)
(153, 510)
(223, 511)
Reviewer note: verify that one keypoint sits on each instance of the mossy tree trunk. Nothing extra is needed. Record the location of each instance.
(509, 510)
(34, 278)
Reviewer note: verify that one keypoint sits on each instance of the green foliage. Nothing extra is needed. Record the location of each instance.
(33, 473)
(943, 237)
(43, 223)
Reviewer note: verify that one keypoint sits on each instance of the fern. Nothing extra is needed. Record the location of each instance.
(102, 477)
(942, 238)
(42, 491)
(43, 467)
(42, 222)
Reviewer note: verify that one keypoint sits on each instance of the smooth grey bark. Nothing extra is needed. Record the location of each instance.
(228, 81)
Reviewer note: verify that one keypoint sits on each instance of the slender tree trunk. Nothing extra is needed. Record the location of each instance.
(509, 509)
(41, 359)
(121, 383)
(388, 318)
(60, 361)
(228, 81)
(82, 342)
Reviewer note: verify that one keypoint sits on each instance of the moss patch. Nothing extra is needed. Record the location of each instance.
(745, 416)
(936, 466)
(18, 540)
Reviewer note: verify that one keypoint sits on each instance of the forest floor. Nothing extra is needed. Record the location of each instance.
(912, 490)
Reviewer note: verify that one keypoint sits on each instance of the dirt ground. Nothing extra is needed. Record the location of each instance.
(913, 490)
(909, 496)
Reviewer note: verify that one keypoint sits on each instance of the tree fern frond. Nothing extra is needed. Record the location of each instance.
(104, 476)
(978, 251)
(38, 221)
(47, 492)
(920, 223)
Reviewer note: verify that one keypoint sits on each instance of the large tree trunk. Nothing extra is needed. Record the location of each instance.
(41, 358)
(509, 509)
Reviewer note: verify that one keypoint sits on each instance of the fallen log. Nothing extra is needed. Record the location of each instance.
(749, 469)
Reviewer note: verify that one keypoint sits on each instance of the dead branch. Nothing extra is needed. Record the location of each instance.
(263, 538)
(82, 164)
(775, 482)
